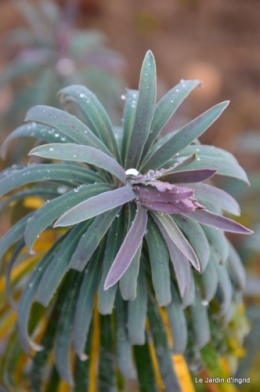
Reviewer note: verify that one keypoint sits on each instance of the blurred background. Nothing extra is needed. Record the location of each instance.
(45, 45)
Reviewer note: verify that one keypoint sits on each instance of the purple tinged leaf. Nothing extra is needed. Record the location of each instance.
(96, 205)
(216, 196)
(80, 153)
(189, 176)
(148, 193)
(180, 207)
(128, 249)
(218, 222)
(171, 231)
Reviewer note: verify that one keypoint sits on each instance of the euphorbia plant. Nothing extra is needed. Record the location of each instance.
(139, 254)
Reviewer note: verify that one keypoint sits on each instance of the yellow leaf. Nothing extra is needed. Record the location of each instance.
(33, 202)
(183, 373)
(8, 321)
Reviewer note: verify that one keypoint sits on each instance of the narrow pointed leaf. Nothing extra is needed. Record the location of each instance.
(129, 118)
(136, 312)
(128, 249)
(236, 268)
(80, 153)
(106, 365)
(123, 345)
(47, 172)
(115, 238)
(85, 303)
(189, 297)
(144, 111)
(58, 267)
(210, 157)
(145, 369)
(200, 323)
(128, 282)
(50, 211)
(196, 237)
(35, 130)
(159, 260)
(210, 279)
(218, 241)
(225, 288)
(179, 260)
(178, 323)
(163, 352)
(96, 205)
(66, 125)
(216, 196)
(167, 106)
(174, 233)
(95, 114)
(184, 137)
(27, 299)
(13, 234)
(218, 222)
(64, 332)
(91, 239)
(189, 176)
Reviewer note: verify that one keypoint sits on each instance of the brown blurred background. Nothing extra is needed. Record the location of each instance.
(215, 41)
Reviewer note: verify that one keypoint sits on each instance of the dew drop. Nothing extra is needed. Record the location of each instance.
(51, 149)
(82, 95)
(76, 190)
(56, 135)
(123, 97)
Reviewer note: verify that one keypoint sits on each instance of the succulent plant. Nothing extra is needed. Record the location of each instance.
(137, 250)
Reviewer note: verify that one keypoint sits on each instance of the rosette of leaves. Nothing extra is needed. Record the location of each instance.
(139, 265)
(50, 53)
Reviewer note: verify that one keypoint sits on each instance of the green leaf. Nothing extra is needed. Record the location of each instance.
(225, 288)
(80, 153)
(137, 311)
(85, 303)
(163, 352)
(67, 126)
(94, 113)
(14, 256)
(51, 210)
(144, 112)
(82, 377)
(91, 239)
(123, 345)
(59, 265)
(13, 235)
(128, 282)
(166, 108)
(65, 332)
(144, 366)
(183, 138)
(210, 157)
(210, 278)
(27, 299)
(129, 118)
(196, 237)
(189, 296)
(200, 322)
(106, 366)
(39, 368)
(178, 323)
(159, 260)
(46, 172)
(235, 268)
(114, 241)
(95, 206)
(218, 241)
